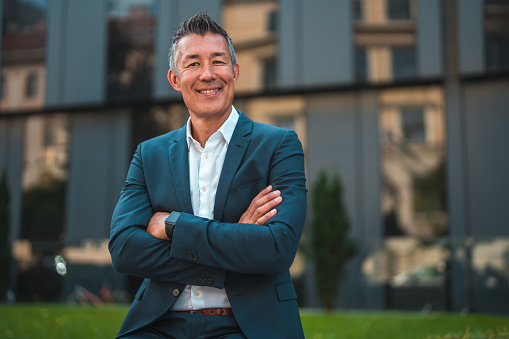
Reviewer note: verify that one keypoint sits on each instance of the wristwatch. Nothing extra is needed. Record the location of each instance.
(170, 223)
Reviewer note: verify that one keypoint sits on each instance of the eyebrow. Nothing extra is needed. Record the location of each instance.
(196, 56)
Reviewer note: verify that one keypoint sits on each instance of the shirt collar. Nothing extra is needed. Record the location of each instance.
(226, 128)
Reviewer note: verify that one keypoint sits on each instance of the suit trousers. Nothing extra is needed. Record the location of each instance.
(175, 325)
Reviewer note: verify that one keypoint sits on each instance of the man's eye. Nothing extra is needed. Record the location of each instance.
(218, 62)
(192, 64)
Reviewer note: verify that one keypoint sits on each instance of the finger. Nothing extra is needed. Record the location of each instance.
(258, 206)
(267, 198)
(267, 207)
(261, 199)
(262, 193)
(266, 217)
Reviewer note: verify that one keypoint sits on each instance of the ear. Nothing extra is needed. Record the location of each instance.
(174, 80)
(236, 73)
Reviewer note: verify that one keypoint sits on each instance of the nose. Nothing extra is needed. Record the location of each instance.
(208, 73)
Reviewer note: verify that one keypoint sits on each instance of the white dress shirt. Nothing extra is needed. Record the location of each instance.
(205, 166)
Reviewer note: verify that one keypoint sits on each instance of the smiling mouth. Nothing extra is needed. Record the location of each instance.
(207, 91)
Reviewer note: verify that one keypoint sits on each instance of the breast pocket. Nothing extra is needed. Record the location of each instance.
(246, 185)
(240, 196)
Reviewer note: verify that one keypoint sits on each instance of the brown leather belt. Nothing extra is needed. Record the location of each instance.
(210, 311)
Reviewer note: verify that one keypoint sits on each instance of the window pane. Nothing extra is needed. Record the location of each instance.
(357, 10)
(361, 64)
(2, 84)
(413, 124)
(413, 167)
(403, 62)
(23, 53)
(31, 86)
(131, 27)
(273, 21)
(398, 9)
(497, 51)
(269, 73)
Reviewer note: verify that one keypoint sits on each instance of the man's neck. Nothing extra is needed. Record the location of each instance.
(202, 129)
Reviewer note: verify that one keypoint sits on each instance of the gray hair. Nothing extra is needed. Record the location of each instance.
(200, 24)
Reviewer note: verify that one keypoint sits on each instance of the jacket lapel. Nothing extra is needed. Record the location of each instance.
(179, 169)
(236, 149)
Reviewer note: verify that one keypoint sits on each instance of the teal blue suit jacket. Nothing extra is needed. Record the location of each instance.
(250, 261)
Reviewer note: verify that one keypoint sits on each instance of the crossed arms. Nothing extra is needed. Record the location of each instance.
(263, 241)
(261, 209)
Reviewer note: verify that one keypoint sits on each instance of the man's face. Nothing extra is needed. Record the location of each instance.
(205, 75)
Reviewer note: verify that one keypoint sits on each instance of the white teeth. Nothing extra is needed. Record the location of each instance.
(209, 91)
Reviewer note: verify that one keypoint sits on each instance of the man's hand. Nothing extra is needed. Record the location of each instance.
(157, 227)
(262, 206)
(259, 212)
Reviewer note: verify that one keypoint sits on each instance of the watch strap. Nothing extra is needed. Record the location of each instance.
(170, 222)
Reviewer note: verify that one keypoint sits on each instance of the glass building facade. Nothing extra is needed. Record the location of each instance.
(405, 100)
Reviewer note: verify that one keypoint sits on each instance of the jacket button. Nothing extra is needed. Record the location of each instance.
(176, 292)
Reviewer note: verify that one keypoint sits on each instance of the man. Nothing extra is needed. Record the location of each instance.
(211, 214)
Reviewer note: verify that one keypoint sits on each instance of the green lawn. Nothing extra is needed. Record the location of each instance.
(69, 321)
(402, 325)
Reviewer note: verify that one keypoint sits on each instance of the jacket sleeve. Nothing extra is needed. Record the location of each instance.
(252, 249)
(136, 252)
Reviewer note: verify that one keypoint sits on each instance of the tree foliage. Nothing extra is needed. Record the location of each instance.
(330, 245)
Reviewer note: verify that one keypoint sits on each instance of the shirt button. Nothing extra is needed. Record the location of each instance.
(176, 292)
(196, 294)
(204, 188)
(205, 156)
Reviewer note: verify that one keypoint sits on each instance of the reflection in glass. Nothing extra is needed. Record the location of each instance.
(357, 8)
(404, 63)
(361, 64)
(398, 9)
(131, 27)
(490, 269)
(270, 73)
(23, 53)
(43, 209)
(412, 119)
(413, 172)
(253, 26)
(273, 22)
(496, 34)
(2, 85)
(285, 121)
(414, 198)
(31, 85)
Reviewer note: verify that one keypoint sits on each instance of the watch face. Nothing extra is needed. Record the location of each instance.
(172, 218)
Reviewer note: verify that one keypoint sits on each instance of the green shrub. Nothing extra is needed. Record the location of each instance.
(330, 246)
